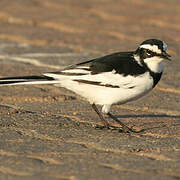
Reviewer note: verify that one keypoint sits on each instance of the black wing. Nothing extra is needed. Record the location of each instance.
(122, 62)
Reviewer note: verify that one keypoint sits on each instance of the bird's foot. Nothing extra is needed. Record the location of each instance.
(110, 127)
(124, 129)
(127, 129)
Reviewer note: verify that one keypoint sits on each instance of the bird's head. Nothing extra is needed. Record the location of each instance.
(151, 53)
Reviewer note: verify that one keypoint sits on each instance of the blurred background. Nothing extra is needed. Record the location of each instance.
(89, 26)
(46, 132)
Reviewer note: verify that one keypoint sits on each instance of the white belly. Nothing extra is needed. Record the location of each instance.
(130, 88)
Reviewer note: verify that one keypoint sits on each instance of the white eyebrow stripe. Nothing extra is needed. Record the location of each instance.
(153, 48)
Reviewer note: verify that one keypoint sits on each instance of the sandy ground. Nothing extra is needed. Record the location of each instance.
(47, 132)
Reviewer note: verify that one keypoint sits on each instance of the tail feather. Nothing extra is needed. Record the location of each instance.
(20, 80)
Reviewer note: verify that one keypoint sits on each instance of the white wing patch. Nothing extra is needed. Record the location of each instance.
(76, 71)
(69, 73)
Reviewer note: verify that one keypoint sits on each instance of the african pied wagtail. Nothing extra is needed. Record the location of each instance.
(113, 79)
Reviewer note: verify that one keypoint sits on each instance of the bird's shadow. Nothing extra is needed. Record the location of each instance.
(148, 116)
(151, 116)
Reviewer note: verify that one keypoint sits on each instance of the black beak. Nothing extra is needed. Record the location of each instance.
(165, 55)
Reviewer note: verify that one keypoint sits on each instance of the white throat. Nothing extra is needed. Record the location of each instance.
(155, 64)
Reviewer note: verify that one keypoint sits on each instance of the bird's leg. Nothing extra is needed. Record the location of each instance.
(125, 128)
(105, 123)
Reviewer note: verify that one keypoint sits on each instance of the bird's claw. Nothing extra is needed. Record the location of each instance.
(123, 129)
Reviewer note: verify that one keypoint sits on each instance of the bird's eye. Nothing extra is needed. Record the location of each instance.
(148, 52)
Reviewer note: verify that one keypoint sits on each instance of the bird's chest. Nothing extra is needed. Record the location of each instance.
(136, 88)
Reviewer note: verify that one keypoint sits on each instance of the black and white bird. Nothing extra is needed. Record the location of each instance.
(113, 79)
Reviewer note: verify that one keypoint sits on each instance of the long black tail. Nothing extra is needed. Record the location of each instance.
(21, 80)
